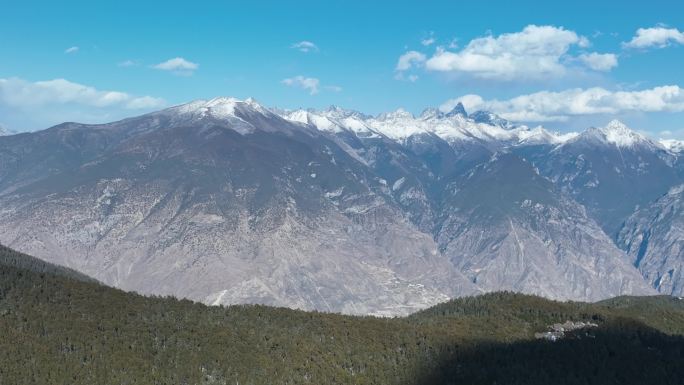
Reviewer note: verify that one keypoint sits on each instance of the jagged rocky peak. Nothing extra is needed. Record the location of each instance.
(457, 110)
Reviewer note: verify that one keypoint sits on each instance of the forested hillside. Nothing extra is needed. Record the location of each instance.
(56, 328)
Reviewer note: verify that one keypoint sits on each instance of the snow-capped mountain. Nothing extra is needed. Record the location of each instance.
(600, 166)
(227, 201)
(616, 134)
(455, 126)
(332, 120)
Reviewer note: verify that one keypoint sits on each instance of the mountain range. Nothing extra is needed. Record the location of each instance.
(226, 201)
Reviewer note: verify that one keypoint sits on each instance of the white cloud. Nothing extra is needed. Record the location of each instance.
(470, 102)
(42, 103)
(310, 84)
(334, 88)
(305, 46)
(549, 106)
(400, 75)
(671, 138)
(658, 37)
(127, 63)
(536, 52)
(177, 65)
(428, 41)
(17, 92)
(144, 103)
(584, 42)
(409, 60)
(599, 61)
(73, 49)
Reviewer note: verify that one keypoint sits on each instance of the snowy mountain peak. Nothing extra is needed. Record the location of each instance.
(341, 113)
(457, 110)
(317, 120)
(399, 114)
(616, 127)
(431, 113)
(617, 134)
(221, 100)
(220, 108)
(334, 120)
(620, 135)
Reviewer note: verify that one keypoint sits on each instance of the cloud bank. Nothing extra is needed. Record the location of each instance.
(546, 106)
(535, 53)
(44, 103)
(178, 66)
(305, 46)
(658, 37)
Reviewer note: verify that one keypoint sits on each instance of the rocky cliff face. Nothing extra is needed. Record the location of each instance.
(654, 238)
(506, 227)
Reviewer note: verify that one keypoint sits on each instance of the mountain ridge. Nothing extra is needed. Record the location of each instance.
(227, 201)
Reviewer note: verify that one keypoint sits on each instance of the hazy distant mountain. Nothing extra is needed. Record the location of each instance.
(226, 201)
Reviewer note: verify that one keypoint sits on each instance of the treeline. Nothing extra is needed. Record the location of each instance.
(56, 328)
(11, 258)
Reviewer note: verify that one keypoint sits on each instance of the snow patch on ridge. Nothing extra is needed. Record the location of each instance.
(673, 145)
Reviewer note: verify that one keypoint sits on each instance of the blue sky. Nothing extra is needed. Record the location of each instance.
(566, 66)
